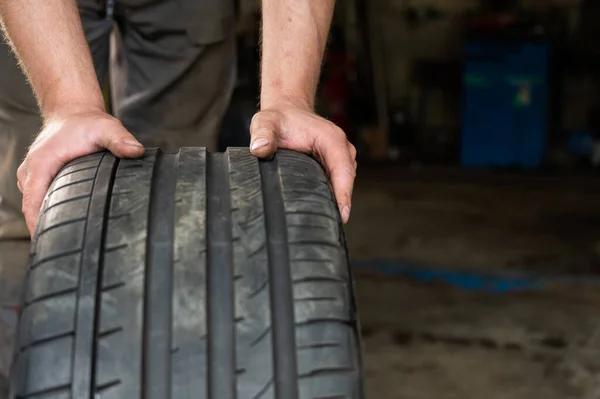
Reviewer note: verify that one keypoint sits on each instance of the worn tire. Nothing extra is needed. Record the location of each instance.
(189, 275)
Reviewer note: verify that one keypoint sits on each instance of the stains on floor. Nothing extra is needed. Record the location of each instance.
(436, 341)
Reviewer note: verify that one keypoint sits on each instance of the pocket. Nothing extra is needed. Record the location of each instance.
(209, 21)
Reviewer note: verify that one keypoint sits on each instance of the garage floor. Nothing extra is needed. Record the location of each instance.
(469, 285)
(477, 285)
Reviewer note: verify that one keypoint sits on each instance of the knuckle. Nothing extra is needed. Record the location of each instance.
(352, 149)
(257, 119)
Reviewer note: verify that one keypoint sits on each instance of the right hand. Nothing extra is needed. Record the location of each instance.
(64, 137)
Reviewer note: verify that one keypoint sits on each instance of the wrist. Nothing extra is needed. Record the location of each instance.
(270, 99)
(58, 100)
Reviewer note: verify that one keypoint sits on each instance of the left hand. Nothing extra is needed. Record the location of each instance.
(295, 126)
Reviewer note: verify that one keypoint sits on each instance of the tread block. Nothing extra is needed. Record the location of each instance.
(64, 213)
(59, 241)
(111, 366)
(81, 163)
(53, 276)
(73, 176)
(45, 367)
(50, 317)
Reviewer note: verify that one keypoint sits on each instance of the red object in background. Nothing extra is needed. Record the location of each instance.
(492, 21)
(335, 91)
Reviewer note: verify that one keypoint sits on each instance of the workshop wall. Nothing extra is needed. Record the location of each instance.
(441, 40)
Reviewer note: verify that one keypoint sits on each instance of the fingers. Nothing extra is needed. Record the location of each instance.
(119, 141)
(34, 180)
(263, 130)
(338, 157)
(62, 141)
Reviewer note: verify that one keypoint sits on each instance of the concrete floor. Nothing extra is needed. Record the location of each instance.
(425, 340)
(433, 340)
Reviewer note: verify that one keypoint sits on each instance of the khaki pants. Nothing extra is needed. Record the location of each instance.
(172, 70)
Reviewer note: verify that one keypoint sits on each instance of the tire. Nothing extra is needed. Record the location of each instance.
(189, 275)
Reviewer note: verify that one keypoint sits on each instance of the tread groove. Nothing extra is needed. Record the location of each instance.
(258, 250)
(263, 390)
(77, 170)
(309, 193)
(111, 331)
(327, 371)
(312, 213)
(122, 192)
(42, 341)
(119, 216)
(54, 257)
(117, 177)
(313, 260)
(73, 163)
(47, 391)
(55, 294)
(87, 317)
(316, 243)
(157, 339)
(87, 179)
(320, 279)
(282, 306)
(260, 337)
(115, 248)
(319, 346)
(221, 366)
(61, 224)
(72, 199)
(252, 219)
(250, 194)
(260, 288)
(112, 287)
(317, 299)
(312, 322)
(310, 226)
(132, 166)
(107, 385)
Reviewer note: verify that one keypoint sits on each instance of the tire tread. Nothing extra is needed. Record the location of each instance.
(259, 282)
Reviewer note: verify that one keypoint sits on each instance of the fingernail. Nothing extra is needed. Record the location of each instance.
(132, 142)
(259, 143)
(345, 213)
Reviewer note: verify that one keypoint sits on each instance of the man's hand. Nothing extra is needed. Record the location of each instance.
(67, 136)
(294, 35)
(297, 127)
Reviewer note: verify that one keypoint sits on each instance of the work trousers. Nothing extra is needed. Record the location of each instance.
(171, 67)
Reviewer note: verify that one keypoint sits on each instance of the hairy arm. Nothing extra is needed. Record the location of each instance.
(48, 38)
(294, 39)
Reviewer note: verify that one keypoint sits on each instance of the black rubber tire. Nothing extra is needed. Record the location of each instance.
(189, 275)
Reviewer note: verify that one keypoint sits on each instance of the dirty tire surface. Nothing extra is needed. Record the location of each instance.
(188, 275)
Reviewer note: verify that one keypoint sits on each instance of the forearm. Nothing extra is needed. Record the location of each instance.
(294, 36)
(48, 39)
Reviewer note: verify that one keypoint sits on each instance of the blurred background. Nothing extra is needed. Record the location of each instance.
(475, 232)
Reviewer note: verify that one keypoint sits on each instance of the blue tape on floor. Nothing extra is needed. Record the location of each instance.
(470, 281)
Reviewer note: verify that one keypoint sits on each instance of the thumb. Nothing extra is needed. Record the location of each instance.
(263, 131)
(120, 142)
